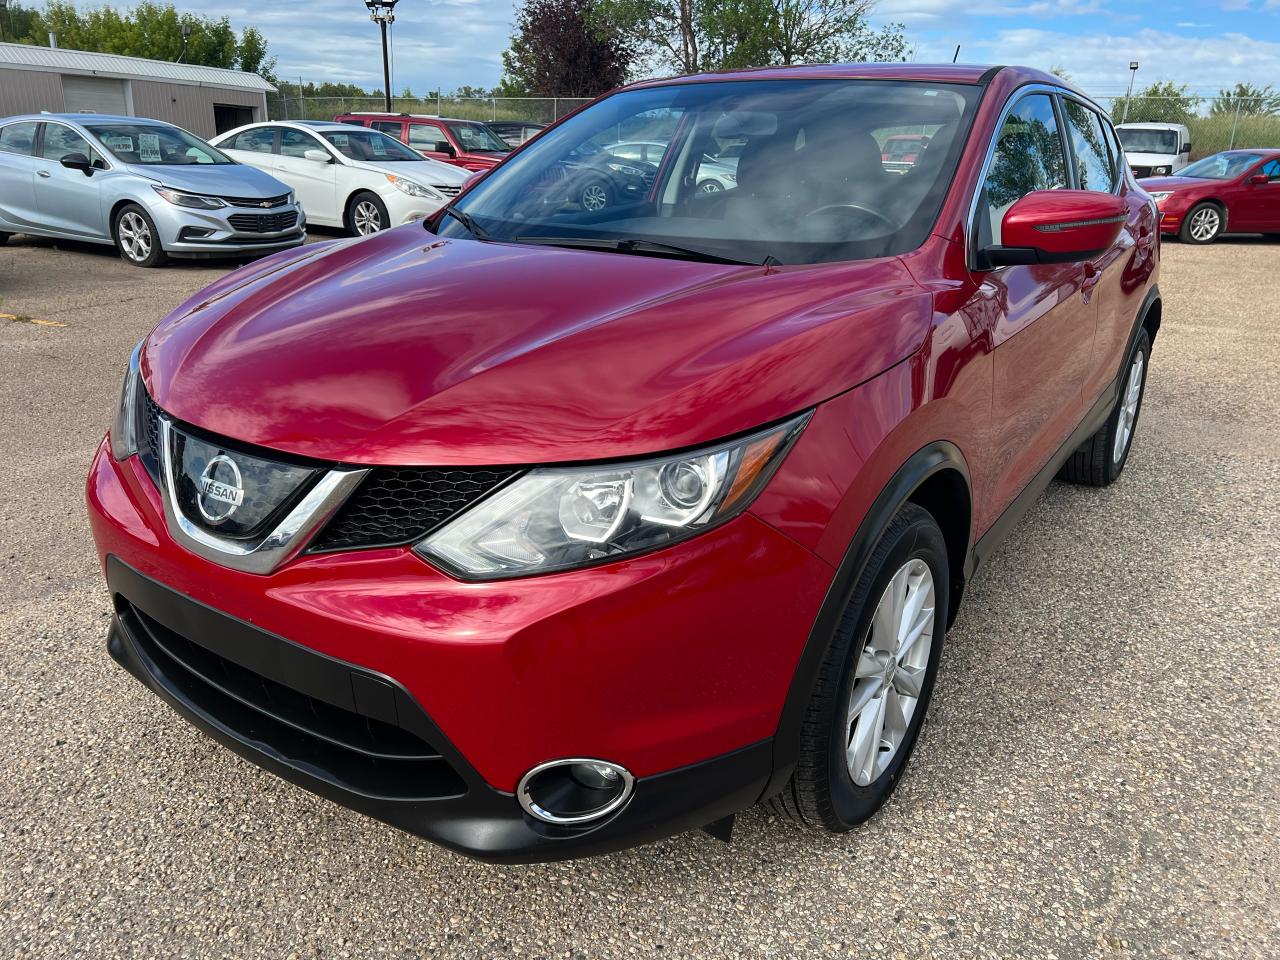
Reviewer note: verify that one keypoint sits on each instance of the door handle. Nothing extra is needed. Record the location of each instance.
(43, 173)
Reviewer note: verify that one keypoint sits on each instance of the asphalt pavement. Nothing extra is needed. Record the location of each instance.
(1097, 778)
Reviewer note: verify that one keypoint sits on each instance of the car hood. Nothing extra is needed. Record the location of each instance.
(422, 171)
(407, 348)
(1153, 184)
(1150, 159)
(218, 179)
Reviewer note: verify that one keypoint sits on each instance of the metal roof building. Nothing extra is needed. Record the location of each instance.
(204, 100)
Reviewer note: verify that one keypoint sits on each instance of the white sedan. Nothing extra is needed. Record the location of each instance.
(344, 175)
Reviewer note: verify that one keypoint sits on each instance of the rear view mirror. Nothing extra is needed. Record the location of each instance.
(319, 156)
(78, 161)
(1056, 226)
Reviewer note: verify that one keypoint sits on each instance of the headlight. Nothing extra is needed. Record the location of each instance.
(413, 189)
(556, 518)
(626, 168)
(124, 429)
(1160, 195)
(195, 200)
(1160, 171)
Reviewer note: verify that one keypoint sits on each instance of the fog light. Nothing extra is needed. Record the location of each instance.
(574, 791)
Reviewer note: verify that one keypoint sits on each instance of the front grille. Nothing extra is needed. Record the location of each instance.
(353, 750)
(398, 505)
(1140, 172)
(448, 191)
(261, 203)
(149, 436)
(263, 222)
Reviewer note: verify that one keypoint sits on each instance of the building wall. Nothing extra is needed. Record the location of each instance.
(187, 105)
(29, 91)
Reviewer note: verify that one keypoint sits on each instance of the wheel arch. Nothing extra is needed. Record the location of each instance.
(936, 478)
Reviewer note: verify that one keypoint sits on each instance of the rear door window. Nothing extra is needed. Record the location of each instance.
(19, 137)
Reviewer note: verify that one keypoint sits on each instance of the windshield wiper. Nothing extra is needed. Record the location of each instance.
(468, 221)
(627, 245)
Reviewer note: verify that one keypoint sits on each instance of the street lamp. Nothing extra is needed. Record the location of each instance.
(383, 12)
(1133, 72)
(186, 35)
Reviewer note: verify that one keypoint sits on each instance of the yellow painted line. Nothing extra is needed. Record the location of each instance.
(16, 318)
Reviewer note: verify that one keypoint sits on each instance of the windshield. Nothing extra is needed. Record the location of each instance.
(647, 167)
(154, 145)
(359, 143)
(1221, 166)
(1137, 140)
(476, 137)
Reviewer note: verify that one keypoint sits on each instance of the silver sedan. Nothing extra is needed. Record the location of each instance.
(152, 189)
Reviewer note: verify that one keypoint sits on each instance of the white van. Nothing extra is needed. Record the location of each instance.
(1155, 149)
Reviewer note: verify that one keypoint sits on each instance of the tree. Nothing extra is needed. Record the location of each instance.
(17, 22)
(1162, 102)
(152, 30)
(562, 49)
(1251, 101)
(690, 36)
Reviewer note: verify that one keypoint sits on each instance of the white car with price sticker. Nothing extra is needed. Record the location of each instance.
(346, 176)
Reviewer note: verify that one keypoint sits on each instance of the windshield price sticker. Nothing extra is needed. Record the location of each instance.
(149, 147)
(122, 143)
(379, 147)
(340, 140)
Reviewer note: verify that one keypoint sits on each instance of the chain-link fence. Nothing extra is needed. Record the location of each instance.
(1216, 123)
(535, 109)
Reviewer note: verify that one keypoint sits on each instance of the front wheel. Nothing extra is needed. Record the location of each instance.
(366, 214)
(595, 196)
(874, 686)
(136, 237)
(1204, 224)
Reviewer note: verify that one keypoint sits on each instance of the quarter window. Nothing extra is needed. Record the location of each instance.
(1089, 147)
(1028, 157)
(18, 137)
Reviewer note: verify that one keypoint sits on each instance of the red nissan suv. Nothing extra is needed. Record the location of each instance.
(543, 530)
(462, 143)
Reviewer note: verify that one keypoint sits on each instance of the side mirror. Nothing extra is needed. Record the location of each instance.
(448, 148)
(78, 161)
(317, 156)
(1056, 226)
(1258, 179)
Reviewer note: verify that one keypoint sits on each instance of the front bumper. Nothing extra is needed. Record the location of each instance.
(227, 231)
(670, 664)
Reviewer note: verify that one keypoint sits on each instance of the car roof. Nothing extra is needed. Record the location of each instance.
(88, 118)
(1148, 126)
(940, 72)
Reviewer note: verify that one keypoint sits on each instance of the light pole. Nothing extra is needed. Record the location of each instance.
(383, 12)
(1133, 72)
(186, 35)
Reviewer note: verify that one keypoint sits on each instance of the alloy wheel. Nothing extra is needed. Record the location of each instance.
(367, 218)
(890, 673)
(1128, 407)
(1205, 223)
(710, 186)
(134, 236)
(594, 197)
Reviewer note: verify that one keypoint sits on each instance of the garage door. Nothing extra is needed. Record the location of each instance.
(93, 95)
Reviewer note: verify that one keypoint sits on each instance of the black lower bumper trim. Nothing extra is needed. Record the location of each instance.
(147, 637)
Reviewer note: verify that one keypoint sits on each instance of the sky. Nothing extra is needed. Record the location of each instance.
(448, 43)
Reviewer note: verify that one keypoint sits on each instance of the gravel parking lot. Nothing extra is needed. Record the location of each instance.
(1098, 776)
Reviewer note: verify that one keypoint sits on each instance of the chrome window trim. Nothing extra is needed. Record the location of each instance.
(1053, 91)
(280, 544)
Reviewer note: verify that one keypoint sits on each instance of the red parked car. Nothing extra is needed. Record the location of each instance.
(1236, 191)
(463, 143)
(543, 530)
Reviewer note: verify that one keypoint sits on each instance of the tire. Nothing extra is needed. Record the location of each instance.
(366, 214)
(595, 195)
(1100, 459)
(1203, 223)
(824, 791)
(710, 186)
(4, 238)
(136, 237)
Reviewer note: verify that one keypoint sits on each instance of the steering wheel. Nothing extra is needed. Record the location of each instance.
(855, 208)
